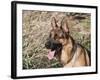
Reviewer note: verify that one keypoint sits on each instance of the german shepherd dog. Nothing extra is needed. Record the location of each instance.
(63, 46)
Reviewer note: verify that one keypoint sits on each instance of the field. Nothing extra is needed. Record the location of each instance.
(36, 26)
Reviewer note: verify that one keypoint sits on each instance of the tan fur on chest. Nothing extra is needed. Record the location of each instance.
(66, 55)
(79, 58)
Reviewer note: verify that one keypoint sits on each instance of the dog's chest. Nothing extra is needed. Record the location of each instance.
(64, 57)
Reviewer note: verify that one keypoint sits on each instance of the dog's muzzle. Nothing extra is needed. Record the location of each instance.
(51, 44)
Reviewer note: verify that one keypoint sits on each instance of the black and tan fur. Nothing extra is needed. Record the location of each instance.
(70, 53)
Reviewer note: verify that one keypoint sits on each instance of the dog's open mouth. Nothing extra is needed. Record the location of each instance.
(51, 54)
(53, 49)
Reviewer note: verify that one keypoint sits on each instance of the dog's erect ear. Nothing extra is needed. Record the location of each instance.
(64, 25)
(53, 23)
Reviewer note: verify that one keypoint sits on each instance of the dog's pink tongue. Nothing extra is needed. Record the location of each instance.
(51, 55)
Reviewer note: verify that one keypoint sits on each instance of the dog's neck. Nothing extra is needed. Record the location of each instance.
(67, 51)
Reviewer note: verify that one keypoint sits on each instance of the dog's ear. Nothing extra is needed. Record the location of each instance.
(53, 23)
(64, 25)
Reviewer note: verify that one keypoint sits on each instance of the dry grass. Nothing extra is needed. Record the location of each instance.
(36, 27)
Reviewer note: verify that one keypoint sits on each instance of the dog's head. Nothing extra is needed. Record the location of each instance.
(58, 36)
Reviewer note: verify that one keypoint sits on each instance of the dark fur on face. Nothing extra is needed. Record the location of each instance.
(53, 45)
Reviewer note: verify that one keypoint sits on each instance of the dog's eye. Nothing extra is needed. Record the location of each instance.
(55, 35)
(50, 35)
(61, 37)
